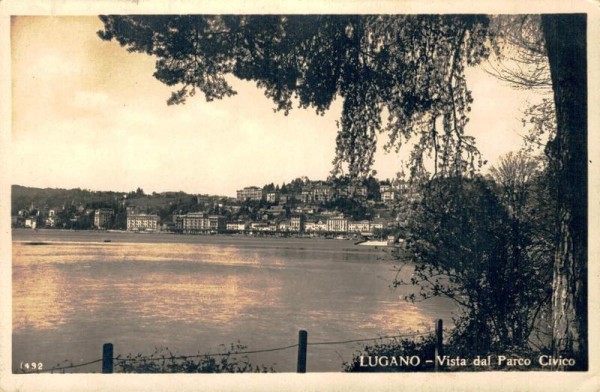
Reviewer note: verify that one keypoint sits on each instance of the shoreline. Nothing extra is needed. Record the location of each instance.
(49, 236)
(360, 241)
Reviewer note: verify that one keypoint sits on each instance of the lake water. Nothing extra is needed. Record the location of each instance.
(192, 293)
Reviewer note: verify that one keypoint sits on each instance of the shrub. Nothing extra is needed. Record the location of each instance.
(228, 360)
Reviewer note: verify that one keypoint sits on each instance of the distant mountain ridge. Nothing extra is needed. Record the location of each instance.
(23, 197)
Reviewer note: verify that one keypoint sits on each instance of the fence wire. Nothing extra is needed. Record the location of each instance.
(64, 367)
(185, 357)
(369, 339)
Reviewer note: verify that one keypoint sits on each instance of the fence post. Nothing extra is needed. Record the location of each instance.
(439, 343)
(107, 358)
(302, 344)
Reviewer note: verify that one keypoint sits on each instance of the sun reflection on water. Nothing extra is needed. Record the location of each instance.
(192, 294)
(45, 291)
(40, 300)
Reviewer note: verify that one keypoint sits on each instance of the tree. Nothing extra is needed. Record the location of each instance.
(549, 52)
(566, 45)
(540, 123)
(409, 67)
(348, 206)
(524, 192)
(464, 249)
(269, 187)
(515, 172)
(519, 56)
(372, 186)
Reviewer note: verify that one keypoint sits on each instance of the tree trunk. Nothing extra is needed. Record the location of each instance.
(566, 44)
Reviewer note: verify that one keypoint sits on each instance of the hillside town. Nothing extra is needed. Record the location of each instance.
(338, 207)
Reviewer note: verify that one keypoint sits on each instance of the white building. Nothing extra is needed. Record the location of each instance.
(237, 226)
(142, 222)
(250, 193)
(363, 226)
(284, 226)
(259, 226)
(297, 223)
(315, 227)
(337, 224)
(378, 224)
(195, 222)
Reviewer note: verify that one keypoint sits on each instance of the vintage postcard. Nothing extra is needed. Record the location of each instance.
(299, 194)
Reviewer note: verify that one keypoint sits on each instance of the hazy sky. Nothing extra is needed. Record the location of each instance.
(88, 114)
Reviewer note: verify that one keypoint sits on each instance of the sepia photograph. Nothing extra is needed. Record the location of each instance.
(331, 192)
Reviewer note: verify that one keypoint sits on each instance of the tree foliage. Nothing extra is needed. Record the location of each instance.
(519, 56)
(514, 172)
(539, 121)
(469, 245)
(408, 68)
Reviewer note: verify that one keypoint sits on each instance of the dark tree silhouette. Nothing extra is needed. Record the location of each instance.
(566, 44)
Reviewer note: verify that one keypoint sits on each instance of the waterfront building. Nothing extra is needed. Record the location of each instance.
(315, 227)
(237, 226)
(263, 226)
(250, 193)
(297, 223)
(362, 227)
(195, 222)
(216, 223)
(102, 217)
(178, 222)
(258, 226)
(337, 224)
(142, 222)
(53, 220)
(378, 224)
(284, 226)
(30, 222)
